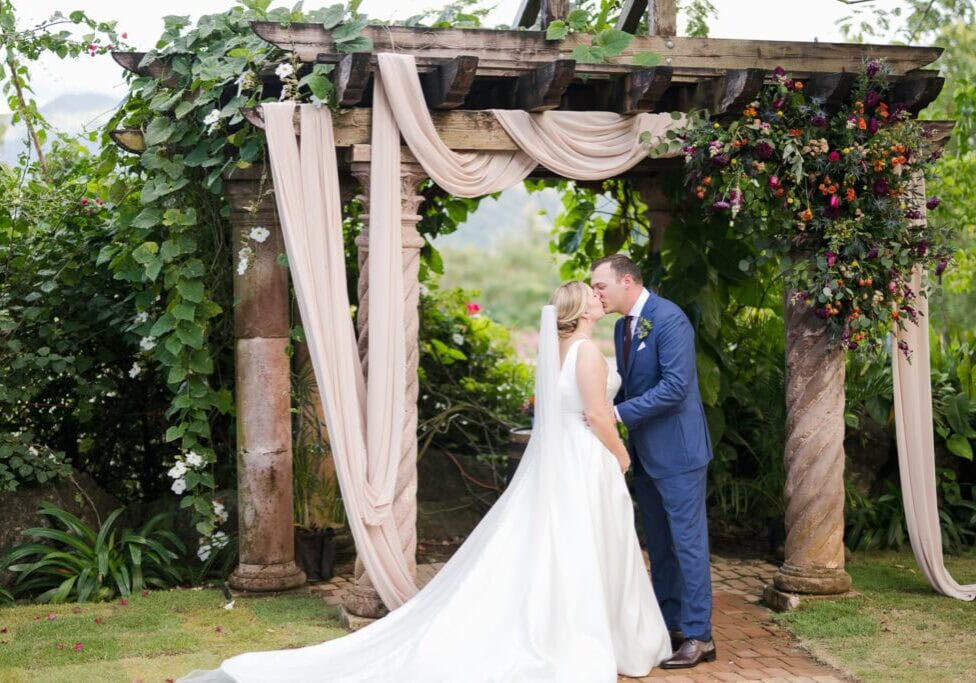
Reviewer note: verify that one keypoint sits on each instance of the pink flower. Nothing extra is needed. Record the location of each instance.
(145, 594)
(774, 181)
(834, 201)
(473, 308)
(831, 259)
(51, 616)
(124, 601)
(125, 35)
(834, 156)
(79, 647)
(84, 202)
(77, 610)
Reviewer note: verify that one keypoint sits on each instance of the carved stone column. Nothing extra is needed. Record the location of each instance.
(363, 600)
(263, 393)
(814, 460)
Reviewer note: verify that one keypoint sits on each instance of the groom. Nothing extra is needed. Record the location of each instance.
(661, 407)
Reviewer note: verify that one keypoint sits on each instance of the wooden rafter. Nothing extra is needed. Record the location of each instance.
(830, 89)
(630, 15)
(509, 53)
(640, 91)
(917, 91)
(543, 87)
(350, 78)
(527, 13)
(446, 86)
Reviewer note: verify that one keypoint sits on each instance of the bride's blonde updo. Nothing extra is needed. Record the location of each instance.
(570, 300)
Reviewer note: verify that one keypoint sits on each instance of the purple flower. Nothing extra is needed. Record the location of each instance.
(764, 150)
(872, 253)
(721, 204)
(852, 345)
(872, 67)
(881, 187)
(871, 99)
(913, 214)
(932, 203)
(834, 201)
(779, 72)
(872, 125)
(720, 160)
(831, 259)
(822, 313)
(832, 212)
(939, 269)
(819, 121)
(778, 103)
(920, 250)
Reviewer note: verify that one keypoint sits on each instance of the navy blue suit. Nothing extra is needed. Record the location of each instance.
(660, 404)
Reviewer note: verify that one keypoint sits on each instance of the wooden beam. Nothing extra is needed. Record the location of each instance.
(831, 89)
(527, 13)
(351, 77)
(446, 86)
(129, 139)
(630, 15)
(513, 52)
(554, 10)
(641, 90)
(662, 19)
(158, 68)
(917, 91)
(543, 87)
(728, 93)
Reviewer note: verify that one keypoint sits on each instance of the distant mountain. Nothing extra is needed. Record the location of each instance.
(70, 113)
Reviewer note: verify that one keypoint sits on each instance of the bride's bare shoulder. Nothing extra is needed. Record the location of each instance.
(590, 356)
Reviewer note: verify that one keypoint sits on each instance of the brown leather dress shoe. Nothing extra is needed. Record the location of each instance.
(677, 638)
(691, 653)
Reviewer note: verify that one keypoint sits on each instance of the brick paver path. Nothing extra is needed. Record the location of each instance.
(750, 646)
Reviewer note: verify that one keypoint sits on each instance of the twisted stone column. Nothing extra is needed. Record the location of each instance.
(263, 391)
(363, 600)
(814, 459)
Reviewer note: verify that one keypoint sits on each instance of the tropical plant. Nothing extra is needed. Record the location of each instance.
(84, 564)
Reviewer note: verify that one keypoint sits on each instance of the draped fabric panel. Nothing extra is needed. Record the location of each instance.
(916, 451)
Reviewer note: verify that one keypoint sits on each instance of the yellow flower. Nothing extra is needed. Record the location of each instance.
(734, 162)
(779, 114)
(716, 126)
(847, 150)
(789, 200)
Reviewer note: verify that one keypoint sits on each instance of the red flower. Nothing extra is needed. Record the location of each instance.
(834, 156)
(79, 647)
(124, 601)
(472, 307)
(98, 620)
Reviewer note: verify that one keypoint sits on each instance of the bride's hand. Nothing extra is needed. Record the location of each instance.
(624, 464)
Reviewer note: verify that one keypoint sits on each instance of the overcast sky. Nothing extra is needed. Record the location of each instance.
(758, 19)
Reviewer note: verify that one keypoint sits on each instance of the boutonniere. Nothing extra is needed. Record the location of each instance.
(644, 327)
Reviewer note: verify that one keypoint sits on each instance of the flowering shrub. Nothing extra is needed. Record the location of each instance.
(833, 193)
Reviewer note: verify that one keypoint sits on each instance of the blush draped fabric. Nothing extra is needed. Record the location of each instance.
(916, 451)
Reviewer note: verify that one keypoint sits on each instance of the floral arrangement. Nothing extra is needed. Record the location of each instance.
(833, 194)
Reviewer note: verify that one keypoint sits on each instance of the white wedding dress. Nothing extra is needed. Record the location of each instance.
(550, 586)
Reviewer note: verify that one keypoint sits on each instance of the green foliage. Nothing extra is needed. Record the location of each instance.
(81, 563)
(473, 385)
(607, 42)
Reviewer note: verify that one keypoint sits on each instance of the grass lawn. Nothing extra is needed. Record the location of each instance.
(163, 635)
(899, 630)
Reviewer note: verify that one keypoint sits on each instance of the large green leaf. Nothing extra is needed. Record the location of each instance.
(159, 130)
(957, 413)
(960, 446)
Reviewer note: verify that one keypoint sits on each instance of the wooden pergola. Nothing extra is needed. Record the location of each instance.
(465, 72)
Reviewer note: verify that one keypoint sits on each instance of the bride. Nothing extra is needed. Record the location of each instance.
(550, 586)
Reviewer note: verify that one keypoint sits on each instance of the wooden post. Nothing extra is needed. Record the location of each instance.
(658, 210)
(814, 460)
(662, 17)
(263, 393)
(363, 602)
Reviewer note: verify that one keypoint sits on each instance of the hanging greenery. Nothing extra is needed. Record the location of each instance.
(831, 195)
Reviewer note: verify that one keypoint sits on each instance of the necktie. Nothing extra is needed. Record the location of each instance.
(628, 338)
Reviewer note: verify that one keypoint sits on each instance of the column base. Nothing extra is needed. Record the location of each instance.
(785, 602)
(363, 602)
(266, 577)
(812, 580)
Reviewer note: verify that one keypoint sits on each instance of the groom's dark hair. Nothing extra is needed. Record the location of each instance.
(620, 265)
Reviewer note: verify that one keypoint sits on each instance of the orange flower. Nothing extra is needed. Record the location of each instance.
(851, 194)
(749, 112)
(798, 85)
(861, 123)
(806, 215)
(795, 132)
(879, 165)
(859, 107)
(707, 181)
(899, 161)
(883, 111)
(895, 315)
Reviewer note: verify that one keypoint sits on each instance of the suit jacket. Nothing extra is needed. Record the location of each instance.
(659, 401)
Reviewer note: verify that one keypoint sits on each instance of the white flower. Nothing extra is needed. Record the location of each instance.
(203, 552)
(141, 317)
(229, 606)
(147, 343)
(134, 370)
(220, 512)
(457, 338)
(219, 539)
(177, 471)
(179, 486)
(243, 259)
(284, 70)
(212, 118)
(828, 292)
(193, 459)
(33, 451)
(259, 234)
